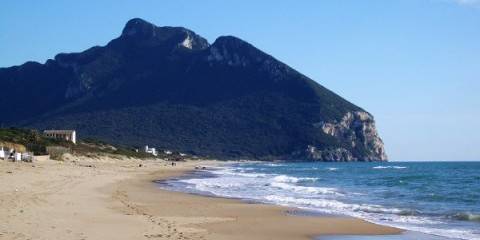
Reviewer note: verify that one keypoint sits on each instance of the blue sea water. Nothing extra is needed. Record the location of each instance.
(437, 198)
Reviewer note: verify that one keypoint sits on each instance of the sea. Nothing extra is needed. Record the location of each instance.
(432, 200)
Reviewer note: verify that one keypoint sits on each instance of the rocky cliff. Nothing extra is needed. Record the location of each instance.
(357, 131)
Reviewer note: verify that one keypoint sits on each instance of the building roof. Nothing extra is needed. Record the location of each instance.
(59, 131)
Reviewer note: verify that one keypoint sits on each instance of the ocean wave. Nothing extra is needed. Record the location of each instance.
(234, 172)
(275, 165)
(337, 207)
(384, 210)
(332, 169)
(389, 167)
(285, 179)
(328, 206)
(206, 185)
(290, 179)
(247, 169)
(467, 217)
(308, 190)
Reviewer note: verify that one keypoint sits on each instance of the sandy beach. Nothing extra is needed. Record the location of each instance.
(108, 198)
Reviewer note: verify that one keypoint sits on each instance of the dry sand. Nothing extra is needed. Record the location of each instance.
(108, 198)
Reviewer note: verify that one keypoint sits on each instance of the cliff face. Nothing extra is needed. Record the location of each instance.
(169, 88)
(357, 131)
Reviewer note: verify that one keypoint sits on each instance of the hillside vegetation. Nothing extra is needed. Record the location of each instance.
(34, 141)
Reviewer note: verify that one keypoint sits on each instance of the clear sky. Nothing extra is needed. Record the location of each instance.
(413, 64)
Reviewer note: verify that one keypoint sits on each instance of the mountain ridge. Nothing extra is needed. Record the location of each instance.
(169, 87)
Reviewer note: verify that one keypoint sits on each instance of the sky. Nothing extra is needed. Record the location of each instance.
(413, 64)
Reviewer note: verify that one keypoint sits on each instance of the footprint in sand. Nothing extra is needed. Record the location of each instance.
(153, 235)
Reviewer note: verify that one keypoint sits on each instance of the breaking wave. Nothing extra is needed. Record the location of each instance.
(389, 167)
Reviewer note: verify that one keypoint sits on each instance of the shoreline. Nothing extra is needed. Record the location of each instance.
(108, 198)
(237, 214)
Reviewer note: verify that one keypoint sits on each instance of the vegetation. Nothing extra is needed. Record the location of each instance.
(91, 145)
(33, 140)
(37, 143)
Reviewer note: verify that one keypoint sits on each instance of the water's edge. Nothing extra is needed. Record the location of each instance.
(353, 190)
(164, 184)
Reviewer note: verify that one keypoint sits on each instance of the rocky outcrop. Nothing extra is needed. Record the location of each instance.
(145, 34)
(329, 154)
(358, 135)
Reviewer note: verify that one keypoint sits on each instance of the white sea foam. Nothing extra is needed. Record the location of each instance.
(289, 179)
(229, 171)
(389, 167)
(285, 179)
(332, 169)
(389, 216)
(333, 206)
(302, 189)
(274, 165)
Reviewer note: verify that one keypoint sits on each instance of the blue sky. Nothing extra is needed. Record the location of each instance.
(414, 64)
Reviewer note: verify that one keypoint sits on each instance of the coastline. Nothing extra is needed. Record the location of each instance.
(224, 218)
(117, 199)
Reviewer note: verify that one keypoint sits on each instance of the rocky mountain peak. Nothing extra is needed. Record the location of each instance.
(234, 51)
(230, 42)
(142, 31)
(138, 27)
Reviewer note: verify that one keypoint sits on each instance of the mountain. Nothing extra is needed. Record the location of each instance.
(168, 87)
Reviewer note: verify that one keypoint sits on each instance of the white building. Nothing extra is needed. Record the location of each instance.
(152, 151)
(2, 153)
(18, 157)
(68, 135)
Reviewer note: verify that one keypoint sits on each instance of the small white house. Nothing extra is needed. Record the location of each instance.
(68, 135)
(18, 157)
(152, 151)
(2, 153)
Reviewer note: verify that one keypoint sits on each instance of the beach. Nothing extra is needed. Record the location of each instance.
(110, 198)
